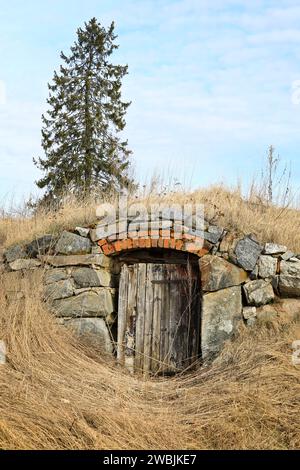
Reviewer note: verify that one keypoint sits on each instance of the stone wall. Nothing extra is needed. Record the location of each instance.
(242, 281)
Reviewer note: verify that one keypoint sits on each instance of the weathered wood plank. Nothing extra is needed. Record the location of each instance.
(130, 331)
(157, 307)
(122, 314)
(148, 320)
(140, 320)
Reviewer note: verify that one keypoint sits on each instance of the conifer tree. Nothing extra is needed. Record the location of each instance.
(83, 151)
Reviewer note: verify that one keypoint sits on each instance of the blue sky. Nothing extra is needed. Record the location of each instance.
(210, 83)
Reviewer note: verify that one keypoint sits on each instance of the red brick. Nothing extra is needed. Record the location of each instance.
(202, 252)
(135, 243)
(101, 242)
(129, 244)
(154, 242)
(142, 243)
(108, 249)
(118, 246)
(166, 243)
(172, 244)
(179, 245)
(148, 242)
(160, 243)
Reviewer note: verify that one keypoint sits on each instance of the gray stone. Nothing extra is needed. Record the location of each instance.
(247, 252)
(267, 266)
(55, 275)
(251, 321)
(213, 234)
(259, 292)
(289, 285)
(249, 312)
(290, 268)
(77, 260)
(287, 256)
(87, 304)
(86, 277)
(14, 253)
(254, 274)
(274, 249)
(92, 331)
(41, 246)
(96, 249)
(83, 232)
(217, 273)
(72, 244)
(221, 314)
(58, 290)
(19, 264)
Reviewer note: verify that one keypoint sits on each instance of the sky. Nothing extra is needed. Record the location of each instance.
(212, 84)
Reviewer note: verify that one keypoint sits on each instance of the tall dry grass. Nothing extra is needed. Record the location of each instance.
(58, 394)
(227, 207)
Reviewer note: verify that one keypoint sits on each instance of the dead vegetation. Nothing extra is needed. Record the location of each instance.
(223, 206)
(57, 394)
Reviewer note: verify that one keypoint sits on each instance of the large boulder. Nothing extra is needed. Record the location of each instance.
(217, 273)
(274, 249)
(213, 234)
(259, 292)
(55, 275)
(289, 286)
(87, 304)
(247, 252)
(15, 252)
(221, 314)
(58, 290)
(92, 331)
(72, 244)
(87, 277)
(290, 268)
(41, 246)
(267, 266)
(289, 279)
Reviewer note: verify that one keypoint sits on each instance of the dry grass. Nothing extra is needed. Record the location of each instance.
(57, 394)
(222, 205)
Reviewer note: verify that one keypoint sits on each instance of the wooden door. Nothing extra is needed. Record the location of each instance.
(159, 317)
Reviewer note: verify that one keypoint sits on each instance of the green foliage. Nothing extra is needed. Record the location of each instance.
(83, 151)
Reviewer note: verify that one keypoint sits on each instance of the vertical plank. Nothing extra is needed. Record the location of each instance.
(157, 308)
(148, 320)
(130, 331)
(140, 319)
(122, 313)
(165, 320)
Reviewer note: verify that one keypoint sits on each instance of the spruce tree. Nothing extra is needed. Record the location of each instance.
(83, 151)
